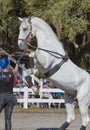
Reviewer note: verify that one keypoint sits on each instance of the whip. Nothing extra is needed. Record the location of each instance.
(22, 54)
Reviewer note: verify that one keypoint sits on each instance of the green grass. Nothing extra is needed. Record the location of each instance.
(35, 109)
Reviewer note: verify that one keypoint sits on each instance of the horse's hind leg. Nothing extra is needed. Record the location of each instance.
(70, 111)
(83, 105)
(70, 116)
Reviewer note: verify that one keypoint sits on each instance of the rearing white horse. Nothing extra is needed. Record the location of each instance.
(53, 61)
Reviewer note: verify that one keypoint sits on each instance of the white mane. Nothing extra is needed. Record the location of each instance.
(51, 38)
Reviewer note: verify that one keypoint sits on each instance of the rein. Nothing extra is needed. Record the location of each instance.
(49, 51)
(57, 66)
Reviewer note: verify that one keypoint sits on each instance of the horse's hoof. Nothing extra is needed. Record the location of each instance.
(64, 126)
(83, 128)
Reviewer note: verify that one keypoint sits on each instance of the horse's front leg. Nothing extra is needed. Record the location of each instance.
(70, 111)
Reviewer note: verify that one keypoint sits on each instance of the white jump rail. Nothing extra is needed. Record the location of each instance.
(25, 100)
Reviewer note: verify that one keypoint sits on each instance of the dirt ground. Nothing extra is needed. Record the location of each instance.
(44, 120)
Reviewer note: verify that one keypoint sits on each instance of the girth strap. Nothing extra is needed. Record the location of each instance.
(56, 67)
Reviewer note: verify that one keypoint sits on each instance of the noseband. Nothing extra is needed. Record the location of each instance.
(27, 39)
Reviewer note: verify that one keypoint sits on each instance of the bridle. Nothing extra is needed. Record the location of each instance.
(53, 53)
(27, 39)
(27, 42)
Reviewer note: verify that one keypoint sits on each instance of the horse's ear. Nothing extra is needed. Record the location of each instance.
(29, 20)
(20, 19)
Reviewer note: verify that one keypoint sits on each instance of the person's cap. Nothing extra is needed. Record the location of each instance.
(4, 63)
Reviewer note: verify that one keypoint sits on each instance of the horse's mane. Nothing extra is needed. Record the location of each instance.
(45, 27)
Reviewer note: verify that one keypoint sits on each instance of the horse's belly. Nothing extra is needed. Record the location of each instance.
(67, 89)
(69, 77)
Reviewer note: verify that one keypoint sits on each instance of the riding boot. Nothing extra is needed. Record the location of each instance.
(7, 124)
(64, 126)
(83, 127)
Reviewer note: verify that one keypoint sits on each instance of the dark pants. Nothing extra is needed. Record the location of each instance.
(7, 102)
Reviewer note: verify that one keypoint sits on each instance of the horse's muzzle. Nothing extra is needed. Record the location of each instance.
(21, 45)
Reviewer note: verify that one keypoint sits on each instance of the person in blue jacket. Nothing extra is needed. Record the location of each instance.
(7, 99)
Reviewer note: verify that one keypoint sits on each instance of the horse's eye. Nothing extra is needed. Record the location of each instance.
(24, 29)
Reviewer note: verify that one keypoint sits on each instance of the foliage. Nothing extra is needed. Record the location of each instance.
(7, 29)
(68, 18)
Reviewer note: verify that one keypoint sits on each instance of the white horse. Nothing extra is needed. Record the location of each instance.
(53, 61)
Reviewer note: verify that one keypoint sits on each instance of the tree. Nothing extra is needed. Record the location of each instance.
(68, 18)
(9, 12)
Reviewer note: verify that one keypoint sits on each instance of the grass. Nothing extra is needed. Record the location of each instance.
(35, 109)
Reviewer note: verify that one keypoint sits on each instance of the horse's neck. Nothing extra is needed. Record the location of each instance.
(46, 60)
(49, 42)
(46, 39)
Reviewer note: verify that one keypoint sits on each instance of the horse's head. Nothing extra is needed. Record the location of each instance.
(25, 32)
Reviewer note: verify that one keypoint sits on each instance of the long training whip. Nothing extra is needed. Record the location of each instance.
(22, 54)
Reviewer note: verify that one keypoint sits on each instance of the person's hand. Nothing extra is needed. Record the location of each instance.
(18, 62)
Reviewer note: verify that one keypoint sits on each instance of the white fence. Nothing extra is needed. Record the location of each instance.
(26, 91)
(25, 98)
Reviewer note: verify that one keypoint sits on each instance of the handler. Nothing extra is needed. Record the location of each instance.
(7, 99)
